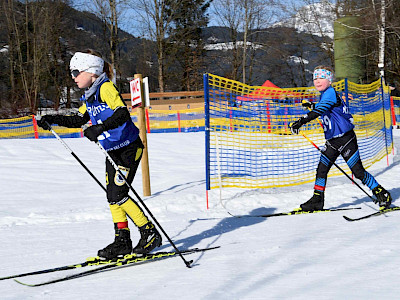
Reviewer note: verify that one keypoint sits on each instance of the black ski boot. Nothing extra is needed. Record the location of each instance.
(383, 197)
(315, 203)
(150, 238)
(122, 245)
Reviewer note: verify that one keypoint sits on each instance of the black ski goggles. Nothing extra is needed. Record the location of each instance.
(75, 73)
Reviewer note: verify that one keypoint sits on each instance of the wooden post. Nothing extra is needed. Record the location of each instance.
(143, 136)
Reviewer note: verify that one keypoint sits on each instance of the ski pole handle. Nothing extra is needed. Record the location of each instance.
(319, 121)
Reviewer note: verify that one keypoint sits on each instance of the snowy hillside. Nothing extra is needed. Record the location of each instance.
(53, 214)
(316, 18)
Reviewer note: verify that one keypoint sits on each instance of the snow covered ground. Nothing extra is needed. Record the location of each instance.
(53, 213)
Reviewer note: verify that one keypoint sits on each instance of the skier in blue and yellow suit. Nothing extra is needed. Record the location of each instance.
(340, 140)
(112, 126)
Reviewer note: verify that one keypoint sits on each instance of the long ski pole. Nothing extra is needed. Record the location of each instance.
(77, 158)
(337, 166)
(74, 155)
(187, 263)
(123, 176)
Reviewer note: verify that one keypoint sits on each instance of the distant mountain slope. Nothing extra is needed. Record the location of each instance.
(316, 18)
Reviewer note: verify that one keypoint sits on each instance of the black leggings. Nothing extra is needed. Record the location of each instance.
(346, 146)
(127, 158)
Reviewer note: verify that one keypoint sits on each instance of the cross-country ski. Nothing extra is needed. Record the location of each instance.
(128, 260)
(375, 214)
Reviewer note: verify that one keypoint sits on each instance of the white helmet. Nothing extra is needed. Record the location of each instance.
(86, 62)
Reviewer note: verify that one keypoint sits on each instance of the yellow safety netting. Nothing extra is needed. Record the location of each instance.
(185, 120)
(249, 144)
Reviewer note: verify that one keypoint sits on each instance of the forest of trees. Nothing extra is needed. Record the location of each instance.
(173, 43)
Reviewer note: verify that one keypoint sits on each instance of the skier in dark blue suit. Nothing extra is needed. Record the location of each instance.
(340, 140)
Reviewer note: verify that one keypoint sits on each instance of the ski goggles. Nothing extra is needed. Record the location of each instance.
(75, 73)
(323, 74)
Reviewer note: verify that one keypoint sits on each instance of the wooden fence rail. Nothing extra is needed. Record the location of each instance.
(173, 100)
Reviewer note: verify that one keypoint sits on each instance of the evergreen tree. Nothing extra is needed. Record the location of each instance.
(189, 17)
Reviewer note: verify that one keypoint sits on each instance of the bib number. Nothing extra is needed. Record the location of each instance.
(327, 123)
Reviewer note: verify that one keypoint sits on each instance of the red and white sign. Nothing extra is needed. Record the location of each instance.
(136, 93)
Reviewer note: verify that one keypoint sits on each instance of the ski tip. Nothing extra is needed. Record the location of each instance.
(214, 247)
(348, 219)
(23, 283)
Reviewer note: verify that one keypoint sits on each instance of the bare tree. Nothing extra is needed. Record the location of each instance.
(156, 21)
(380, 30)
(245, 19)
(248, 20)
(392, 51)
(258, 15)
(228, 14)
(26, 51)
(36, 57)
(110, 12)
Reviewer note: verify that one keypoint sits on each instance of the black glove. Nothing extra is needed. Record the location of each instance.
(94, 131)
(46, 118)
(295, 126)
(307, 104)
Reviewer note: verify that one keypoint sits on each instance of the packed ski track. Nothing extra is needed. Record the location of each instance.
(54, 214)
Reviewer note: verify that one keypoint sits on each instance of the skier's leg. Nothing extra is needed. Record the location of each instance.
(316, 202)
(351, 155)
(128, 161)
